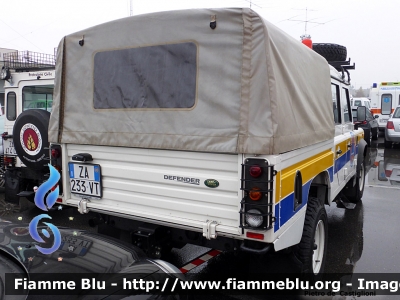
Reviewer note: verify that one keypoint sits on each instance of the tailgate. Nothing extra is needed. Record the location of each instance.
(163, 186)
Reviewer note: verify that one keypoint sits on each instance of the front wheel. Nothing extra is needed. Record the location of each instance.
(311, 250)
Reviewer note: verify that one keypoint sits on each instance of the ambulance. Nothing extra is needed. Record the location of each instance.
(385, 96)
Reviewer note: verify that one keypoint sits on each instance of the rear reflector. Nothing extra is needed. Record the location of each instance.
(253, 235)
(59, 200)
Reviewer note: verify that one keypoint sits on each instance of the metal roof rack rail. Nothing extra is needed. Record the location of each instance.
(343, 66)
(22, 61)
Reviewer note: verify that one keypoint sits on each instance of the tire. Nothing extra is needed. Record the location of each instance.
(331, 52)
(354, 191)
(375, 134)
(31, 147)
(367, 136)
(312, 249)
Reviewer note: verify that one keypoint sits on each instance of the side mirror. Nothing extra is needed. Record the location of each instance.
(376, 116)
(361, 113)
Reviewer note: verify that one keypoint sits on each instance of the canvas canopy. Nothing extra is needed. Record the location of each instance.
(170, 81)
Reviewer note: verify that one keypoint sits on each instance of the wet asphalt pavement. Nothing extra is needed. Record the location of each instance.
(361, 240)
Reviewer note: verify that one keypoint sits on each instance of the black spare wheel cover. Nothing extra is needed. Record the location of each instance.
(31, 138)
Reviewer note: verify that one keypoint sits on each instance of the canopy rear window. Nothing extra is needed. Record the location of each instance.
(154, 77)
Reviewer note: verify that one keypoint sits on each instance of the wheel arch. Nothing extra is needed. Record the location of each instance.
(320, 187)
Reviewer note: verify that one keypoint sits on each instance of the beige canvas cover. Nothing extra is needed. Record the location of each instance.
(251, 87)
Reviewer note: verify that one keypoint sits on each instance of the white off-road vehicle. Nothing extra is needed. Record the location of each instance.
(211, 127)
(29, 85)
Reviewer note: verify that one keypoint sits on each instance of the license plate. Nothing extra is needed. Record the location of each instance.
(85, 179)
(72, 244)
(383, 120)
(9, 149)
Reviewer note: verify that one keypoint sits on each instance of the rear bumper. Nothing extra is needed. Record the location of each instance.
(392, 136)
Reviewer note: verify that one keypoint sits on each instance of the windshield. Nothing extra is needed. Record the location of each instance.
(39, 96)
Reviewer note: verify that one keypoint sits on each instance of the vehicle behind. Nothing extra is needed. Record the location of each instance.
(392, 129)
(369, 125)
(385, 97)
(28, 87)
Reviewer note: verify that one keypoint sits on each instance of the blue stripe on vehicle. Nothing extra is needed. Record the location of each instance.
(343, 160)
(284, 210)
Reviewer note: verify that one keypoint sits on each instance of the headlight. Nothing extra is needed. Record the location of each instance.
(253, 220)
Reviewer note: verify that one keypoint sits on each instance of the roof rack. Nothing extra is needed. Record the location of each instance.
(22, 61)
(343, 66)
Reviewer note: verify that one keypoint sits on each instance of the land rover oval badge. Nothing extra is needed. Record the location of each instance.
(211, 183)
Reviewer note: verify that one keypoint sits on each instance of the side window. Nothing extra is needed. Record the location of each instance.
(336, 103)
(11, 106)
(298, 190)
(396, 113)
(346, 105)
(386, 104)
(40, 96)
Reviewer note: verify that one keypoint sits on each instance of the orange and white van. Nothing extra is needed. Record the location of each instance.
(385, 96)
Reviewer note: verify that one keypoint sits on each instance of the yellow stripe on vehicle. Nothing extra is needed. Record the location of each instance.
(309, 168)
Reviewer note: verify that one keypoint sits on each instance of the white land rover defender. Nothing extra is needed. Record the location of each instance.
(211, 127)
(29, 85)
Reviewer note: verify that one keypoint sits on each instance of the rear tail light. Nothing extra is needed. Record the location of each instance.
(390, 125)
(388, 173)
(55, 153)
(8, 160)
(255, 194)
(257, 204)
(56, 162)
(255, 171)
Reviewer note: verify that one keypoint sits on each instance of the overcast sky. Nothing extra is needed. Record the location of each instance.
(366, 27)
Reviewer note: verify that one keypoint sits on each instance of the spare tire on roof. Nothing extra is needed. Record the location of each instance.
(31, 138)
(331, 52)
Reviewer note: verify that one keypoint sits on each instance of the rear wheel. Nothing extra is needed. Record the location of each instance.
(311, 250)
